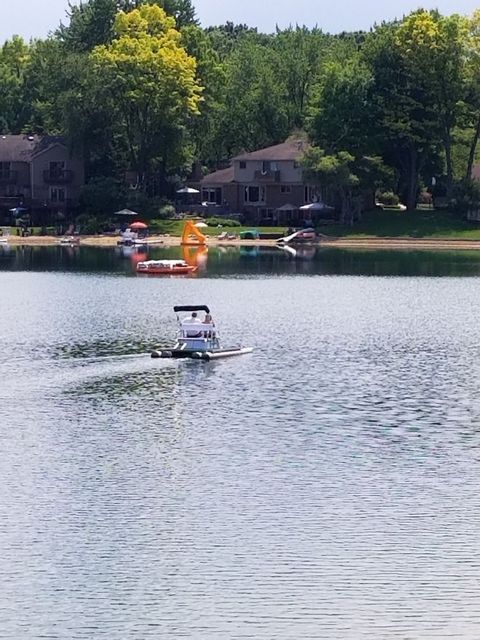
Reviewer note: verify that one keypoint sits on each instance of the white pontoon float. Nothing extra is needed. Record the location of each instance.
(198, 340)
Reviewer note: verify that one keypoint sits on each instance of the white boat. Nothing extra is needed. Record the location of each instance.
(198, 340)
(4, 235)
(165, 267)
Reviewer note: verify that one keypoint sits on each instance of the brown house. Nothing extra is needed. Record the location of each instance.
(39, 174)
(265, 186)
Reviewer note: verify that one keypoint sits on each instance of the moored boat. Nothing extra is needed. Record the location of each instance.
(165, 267)
(198, 339)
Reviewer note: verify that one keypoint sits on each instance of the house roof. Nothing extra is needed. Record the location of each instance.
(224, 176)
(23, 148)
(291, 149)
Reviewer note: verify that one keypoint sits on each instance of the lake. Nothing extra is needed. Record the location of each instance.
(325, 486)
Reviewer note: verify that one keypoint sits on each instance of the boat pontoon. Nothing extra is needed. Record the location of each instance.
(197, 339)
(165, 267)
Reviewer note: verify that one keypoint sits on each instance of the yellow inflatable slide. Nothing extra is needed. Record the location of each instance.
(192, 236)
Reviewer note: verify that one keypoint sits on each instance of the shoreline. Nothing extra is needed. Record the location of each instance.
(331, 243)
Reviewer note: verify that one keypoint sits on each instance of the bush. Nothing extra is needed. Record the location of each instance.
(166, 211)
(388, 198)
(466, 196)
(89, 225)
(102, 196)
(224, 222)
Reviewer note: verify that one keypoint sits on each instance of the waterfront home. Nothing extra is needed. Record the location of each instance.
(265, 186)
(39, 175)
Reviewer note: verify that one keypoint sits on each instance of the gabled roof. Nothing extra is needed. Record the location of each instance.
(23, 148)
(291, 149)
(224, 176)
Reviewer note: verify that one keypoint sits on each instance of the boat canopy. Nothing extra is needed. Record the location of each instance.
(194, 307)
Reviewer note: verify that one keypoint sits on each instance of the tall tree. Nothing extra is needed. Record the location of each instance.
(147, 81)
(434, 50)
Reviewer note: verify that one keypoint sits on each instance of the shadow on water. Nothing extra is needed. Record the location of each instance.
(246, 261)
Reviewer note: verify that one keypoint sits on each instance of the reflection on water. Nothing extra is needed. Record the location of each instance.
(246, 260)
(325, 486)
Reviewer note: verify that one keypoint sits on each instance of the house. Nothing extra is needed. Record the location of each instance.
(266, 186)
(39, 174)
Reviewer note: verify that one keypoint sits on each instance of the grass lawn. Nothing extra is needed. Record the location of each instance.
(423, 223)
(175, 228)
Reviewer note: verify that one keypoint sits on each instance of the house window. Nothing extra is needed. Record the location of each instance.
(56, 168)
(57, 194)
(285, 188)
(266, 166)
(254, 195)
(212, 195)
(243, 164)
(296, 164)
(4, 169)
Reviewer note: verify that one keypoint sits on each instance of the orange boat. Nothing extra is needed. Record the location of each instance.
(165, 267)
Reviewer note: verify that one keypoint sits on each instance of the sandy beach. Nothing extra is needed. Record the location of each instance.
(436, 244)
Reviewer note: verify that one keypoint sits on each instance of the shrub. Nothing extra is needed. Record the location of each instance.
(388, 198)
(166, 211)
(224, 222)
(466, 196)
(89, 225)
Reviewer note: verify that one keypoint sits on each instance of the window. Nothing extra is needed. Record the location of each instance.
(4, 169)
(212, 195)
(57, 194)
(296, 164)
(56, 168)
(254, 195)
(243, 164)
(266, 166)
(285, 188)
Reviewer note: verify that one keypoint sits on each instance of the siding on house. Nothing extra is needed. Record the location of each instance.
(260, 183)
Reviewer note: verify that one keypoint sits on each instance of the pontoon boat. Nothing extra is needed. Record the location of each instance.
(165, 267)
(198, 339)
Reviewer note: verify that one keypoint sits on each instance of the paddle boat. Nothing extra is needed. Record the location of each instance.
(165, 267)
(198, 340)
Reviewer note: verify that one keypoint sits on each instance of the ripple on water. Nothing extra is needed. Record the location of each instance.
(324, 487)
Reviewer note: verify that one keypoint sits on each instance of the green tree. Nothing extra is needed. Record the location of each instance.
(434, 51)
(14, 109)
(147, 82)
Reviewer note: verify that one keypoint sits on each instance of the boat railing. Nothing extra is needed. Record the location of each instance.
(197, 330)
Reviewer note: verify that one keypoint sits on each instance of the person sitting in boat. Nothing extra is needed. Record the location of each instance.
(187, 323)
(208, 321)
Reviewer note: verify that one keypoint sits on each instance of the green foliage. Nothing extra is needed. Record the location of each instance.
(166, 211)
(102, 196)
(388, 198)
(147, 82)
(224, 222)
(465, 196)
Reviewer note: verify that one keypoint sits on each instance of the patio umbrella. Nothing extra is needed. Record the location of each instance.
(188, 190)
(17, 210)
(315, 206)
(125, 212)
(138, 225)
(287, 207)
(201, 225)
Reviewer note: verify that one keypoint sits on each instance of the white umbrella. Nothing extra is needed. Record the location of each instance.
(315, 206)
(287, 207)
(201, 225)
(188, 190)
(126, 212)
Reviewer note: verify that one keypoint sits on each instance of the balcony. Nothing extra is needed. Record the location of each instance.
(267, 176)
(10, 177)
(58, 176)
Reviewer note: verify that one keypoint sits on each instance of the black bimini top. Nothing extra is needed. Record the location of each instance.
(193, 307)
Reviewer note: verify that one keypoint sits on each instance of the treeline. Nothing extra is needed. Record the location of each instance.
(142, 90)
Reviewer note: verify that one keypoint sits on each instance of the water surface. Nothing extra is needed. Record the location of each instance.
(325, 486)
